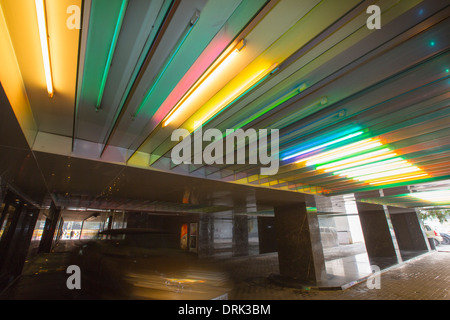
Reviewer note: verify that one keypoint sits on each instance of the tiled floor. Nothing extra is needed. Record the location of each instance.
(423, 278)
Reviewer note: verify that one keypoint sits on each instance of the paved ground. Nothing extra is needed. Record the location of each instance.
(424, 278)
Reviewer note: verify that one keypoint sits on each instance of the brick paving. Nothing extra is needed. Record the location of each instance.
(423, 278)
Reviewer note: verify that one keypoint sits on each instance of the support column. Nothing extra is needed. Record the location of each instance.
(240, 235)
(49, 229)
(266, 234)
(20, 220)
(206, 235)
(379, 235)
(409, 232)
(410, 236)
(300, 252)
(2, 190)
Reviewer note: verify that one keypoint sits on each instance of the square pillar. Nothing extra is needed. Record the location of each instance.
(49, 229)
(240, 235)
(379, 235)
(411, 237)
(266, 234)
(300, 252)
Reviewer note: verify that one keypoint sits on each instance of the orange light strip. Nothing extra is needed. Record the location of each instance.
(389, 173)
(235, 94)
(203, 83)
(399, 179)
(40, 10)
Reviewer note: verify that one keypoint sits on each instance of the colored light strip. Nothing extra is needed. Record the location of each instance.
(111, 52)
(370, 157)
(273, 105)
(174, 52)
(395, 163)
(253, 81)
(42, 22)
(383, 171)
(342, 152)
(202, 84)
(365, 161)
(387, 173)
(311, 143)
(433, 196)
(405, 178)
(323, 145)
(400, 176)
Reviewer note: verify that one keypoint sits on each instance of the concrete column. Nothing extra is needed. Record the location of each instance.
(379, 235)
(240, 235)
(300, 252)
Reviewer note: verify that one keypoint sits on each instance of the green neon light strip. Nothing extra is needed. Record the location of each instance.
(272, 106)
(191, 25)
(111, 52)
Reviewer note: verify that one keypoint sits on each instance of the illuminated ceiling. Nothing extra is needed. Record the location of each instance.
(432, 195)
(357, 109)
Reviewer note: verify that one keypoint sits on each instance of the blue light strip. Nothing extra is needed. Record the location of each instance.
(303, 151)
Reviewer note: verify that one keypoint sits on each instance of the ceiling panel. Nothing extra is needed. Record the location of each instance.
(53, 115)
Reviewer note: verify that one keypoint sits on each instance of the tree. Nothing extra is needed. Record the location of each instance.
(441, 214)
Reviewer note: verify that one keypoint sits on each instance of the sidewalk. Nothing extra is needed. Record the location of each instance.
(424, 278)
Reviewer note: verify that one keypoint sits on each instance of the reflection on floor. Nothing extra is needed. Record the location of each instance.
(345, 272)
(345, 265)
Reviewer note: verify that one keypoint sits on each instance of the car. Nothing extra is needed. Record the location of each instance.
(433, 234)
(445, 237)
(147, 264)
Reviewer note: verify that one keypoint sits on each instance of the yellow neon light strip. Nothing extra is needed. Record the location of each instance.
(333, 154)
(202, 85)
(387, 174)
(40, 9)
(405, 178)
(358, 160)
(235, 94)
(341, 152)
